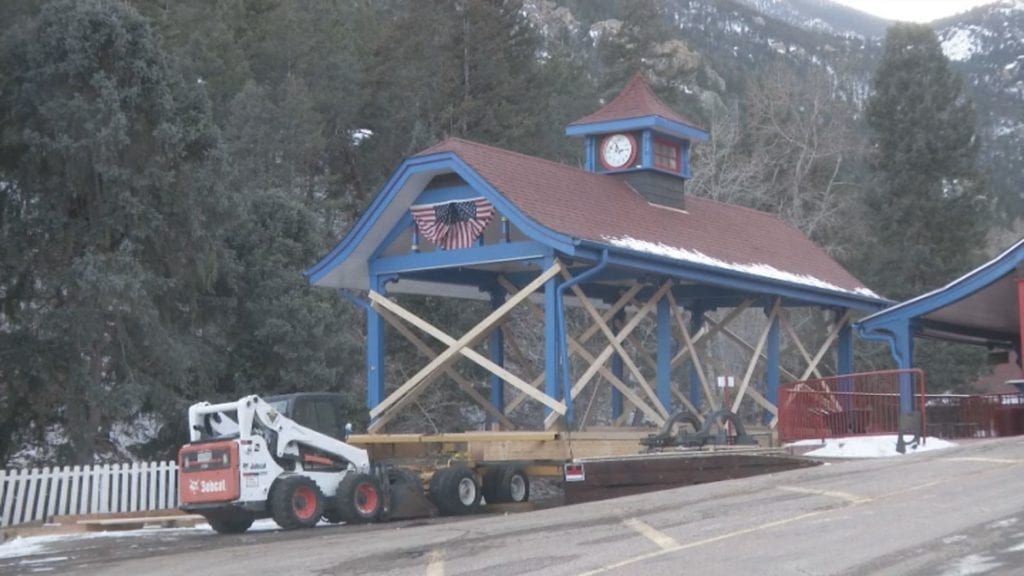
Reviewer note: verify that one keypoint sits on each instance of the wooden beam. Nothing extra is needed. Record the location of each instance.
(690, 345)
(833, 334)
(617, 344)
(756, 356)
(460, 346)
(463, 384)
(784, 320)
(715, 327)
(605, 354)
(743, 343)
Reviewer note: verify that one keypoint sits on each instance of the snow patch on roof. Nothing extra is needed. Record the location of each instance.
(762, 270)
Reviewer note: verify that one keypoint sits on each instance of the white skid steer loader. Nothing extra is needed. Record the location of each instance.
(248, 459)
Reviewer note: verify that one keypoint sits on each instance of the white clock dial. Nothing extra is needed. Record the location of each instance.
(617, 150)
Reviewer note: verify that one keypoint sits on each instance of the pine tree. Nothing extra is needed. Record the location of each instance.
(108, 244)
(926, 214)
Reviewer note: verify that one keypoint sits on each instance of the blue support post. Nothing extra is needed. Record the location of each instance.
(904, 353)
(552, 332)
(844, 364)
(665, 350)
(496, 350)
(617, 370)
(771, 368)
(696, 323)
(375, 342)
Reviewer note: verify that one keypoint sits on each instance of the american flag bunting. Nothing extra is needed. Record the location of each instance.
(453, 225)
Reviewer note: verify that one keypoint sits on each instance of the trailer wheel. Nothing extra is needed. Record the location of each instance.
(359, 499)
(235, 525)
(333, 515)
(506, 483)
(454, 491)
(296, 502)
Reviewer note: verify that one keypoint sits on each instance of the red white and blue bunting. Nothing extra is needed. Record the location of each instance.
(453, 225)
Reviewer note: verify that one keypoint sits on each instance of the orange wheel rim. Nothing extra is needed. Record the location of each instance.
(366, 498)
(304, 502)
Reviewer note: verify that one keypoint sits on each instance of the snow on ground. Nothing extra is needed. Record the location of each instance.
(868, 447)
(30, 545)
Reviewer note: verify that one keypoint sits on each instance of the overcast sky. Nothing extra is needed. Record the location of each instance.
(913, 10)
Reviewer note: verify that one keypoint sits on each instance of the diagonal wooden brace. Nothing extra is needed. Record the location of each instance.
(463, 384)
(691, 346)
(463, 346)
(756, 356)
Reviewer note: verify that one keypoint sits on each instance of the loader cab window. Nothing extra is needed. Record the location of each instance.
(320, 415)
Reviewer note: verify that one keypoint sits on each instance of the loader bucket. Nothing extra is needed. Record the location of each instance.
(406, 496)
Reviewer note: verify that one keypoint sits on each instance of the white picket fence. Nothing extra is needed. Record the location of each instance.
(41, 493)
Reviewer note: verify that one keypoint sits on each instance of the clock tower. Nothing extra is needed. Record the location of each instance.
(638, 138)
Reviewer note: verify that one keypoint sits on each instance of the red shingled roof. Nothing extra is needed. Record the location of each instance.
(635, 101)
(596, 207)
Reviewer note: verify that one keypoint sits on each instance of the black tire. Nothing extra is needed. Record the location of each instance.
(402, 476)
(333, 515)
(234, 525)
(359, 498)
(454, 491)
(506, 483)
(296, 502)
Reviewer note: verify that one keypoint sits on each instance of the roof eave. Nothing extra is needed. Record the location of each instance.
(955, 291)
(738, 279)
(679, 129)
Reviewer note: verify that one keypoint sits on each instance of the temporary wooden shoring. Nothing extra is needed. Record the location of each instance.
(463, 346)
(463, 384)
(617, 344)
(575, 345)
(746, 345)
(690, 345)
(745, 383)
(597, 364)
(832, 335)
(813, 366)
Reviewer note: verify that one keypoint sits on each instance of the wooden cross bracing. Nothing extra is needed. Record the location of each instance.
(407, 392)
(637, 390)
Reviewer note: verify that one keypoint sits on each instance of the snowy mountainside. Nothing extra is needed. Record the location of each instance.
(823, 16)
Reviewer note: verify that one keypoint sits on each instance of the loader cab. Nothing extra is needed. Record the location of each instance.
(319, 411)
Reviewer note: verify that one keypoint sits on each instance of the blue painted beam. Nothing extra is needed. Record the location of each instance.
(375, 350)
(496, 350)
(475, 256)
(552, 334)
(771, 368)
(844, 362)
(664, 353)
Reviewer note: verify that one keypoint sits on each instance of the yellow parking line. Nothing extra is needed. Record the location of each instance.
(851, 498)
(664, 541)
(436, 565)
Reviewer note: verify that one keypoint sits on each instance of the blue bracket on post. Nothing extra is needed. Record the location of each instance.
(664, 353)
(496, 350)
(901, 344)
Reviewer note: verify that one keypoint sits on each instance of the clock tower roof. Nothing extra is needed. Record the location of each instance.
(637, 100)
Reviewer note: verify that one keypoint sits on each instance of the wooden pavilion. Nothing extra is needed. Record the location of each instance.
(619, 240)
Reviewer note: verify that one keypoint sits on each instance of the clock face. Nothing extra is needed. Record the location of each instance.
(617, 151)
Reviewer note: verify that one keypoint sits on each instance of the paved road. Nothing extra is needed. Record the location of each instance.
(950, 512)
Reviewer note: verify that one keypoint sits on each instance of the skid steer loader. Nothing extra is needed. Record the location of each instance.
(253, 459)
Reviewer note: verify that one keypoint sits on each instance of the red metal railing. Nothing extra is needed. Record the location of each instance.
(973, 416)
(849, 405)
